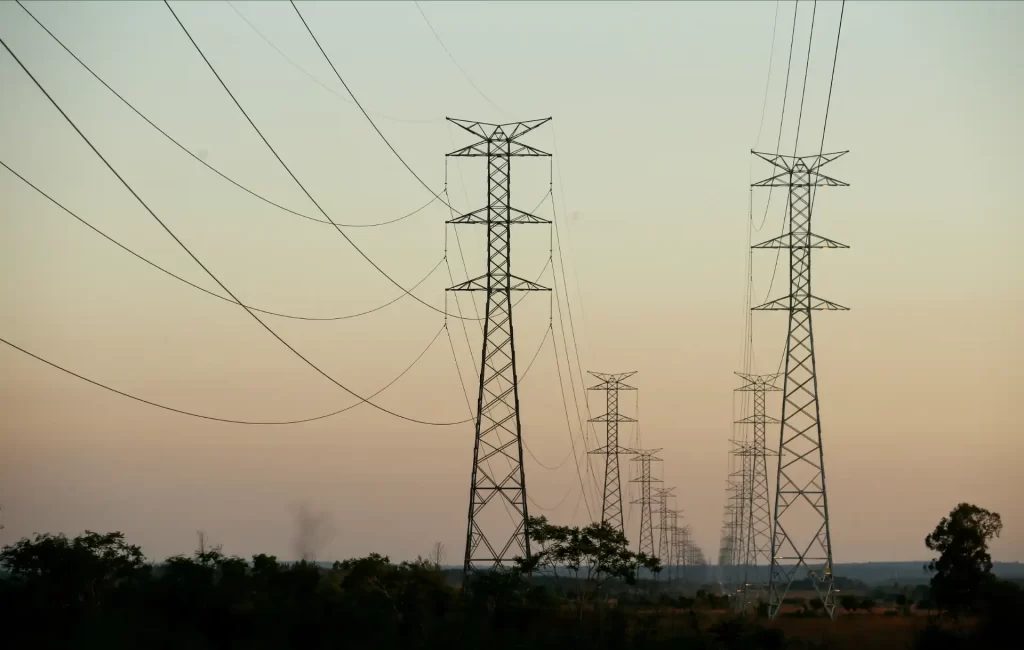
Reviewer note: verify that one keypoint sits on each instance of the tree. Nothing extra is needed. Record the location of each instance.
(849, 603)
(438, 554)
(963, 569)
(592, 555)
(73, 573)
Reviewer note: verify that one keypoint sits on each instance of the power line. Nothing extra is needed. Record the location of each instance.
(807, 66)
(317, 80)
(203, 289)
(196, 259)
(255, 422)
(568, 425)
(228, 420)
(778, 144)
(203, 162)
(292, 174)
(445, 48)
(768, 81)
(356, 100)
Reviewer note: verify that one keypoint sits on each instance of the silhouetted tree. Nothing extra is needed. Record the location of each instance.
(591, 555)
(963, 569)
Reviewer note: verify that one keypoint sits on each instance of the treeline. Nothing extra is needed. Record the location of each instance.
(578, 590)
(98, 591)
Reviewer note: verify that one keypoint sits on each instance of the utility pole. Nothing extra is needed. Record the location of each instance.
(661, 495)
(611, 508)
(645, 457)
(801, 538)
(498, 433)
(757, 544)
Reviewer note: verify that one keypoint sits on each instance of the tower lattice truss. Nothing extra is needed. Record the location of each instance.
(756, 543)
(646, 500)
(611, 505)
(498, 481)
(664, 527)
(801, 538)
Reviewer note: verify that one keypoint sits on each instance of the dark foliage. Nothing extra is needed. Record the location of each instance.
(963, 570)
(96, 591)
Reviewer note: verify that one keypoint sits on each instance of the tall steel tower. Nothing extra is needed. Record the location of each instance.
(801, 539)
(757, 543)
(645, 457)
(611, 509)
(498, 428)
(661, 495)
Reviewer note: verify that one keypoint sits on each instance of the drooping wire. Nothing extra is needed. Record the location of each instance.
(200, 263)
(807, 67)
(291, 173)
(778, 143)
(824, 126)
(356, 100)
(565, 347)
(445, 48)
(199, 159)
(568, 425)
(562, 462)
(203, 289)
(228, 420)
(317, 80)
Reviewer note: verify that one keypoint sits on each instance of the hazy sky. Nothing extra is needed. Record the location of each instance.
(655, 108)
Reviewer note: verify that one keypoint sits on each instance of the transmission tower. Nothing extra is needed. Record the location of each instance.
(757, 543)
(801, 535)
(611, 508)
(673, 544)
(645, 458)
(661, 496)
(498, 425)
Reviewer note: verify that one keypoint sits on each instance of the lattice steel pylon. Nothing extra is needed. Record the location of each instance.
(661, 495)
(611, 505)
(801, 533)
(757, 542)
(673, 544)
(645, 457)
(498, 426)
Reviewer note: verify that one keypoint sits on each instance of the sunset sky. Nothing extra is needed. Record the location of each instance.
(655, 109)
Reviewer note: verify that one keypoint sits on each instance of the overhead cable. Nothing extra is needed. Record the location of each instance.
(200, 263)
(203, 162)
(317, 80)
(365, 114)
(292, 174)
(203, 289)
(228, 420)
(446, 51)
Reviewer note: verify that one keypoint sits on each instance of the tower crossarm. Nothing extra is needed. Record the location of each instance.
(800, 240)
(515, 283)
(507, 132)
(612, 417)
(813, 303)
(484, 216)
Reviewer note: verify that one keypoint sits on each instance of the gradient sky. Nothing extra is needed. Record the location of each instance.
(655, 108)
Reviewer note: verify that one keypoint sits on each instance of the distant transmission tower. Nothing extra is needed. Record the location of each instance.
(646, 501)
(757, 543)
(611, 509)
(801, 535)
(673, 544)
(498, 427)
(661, 496)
